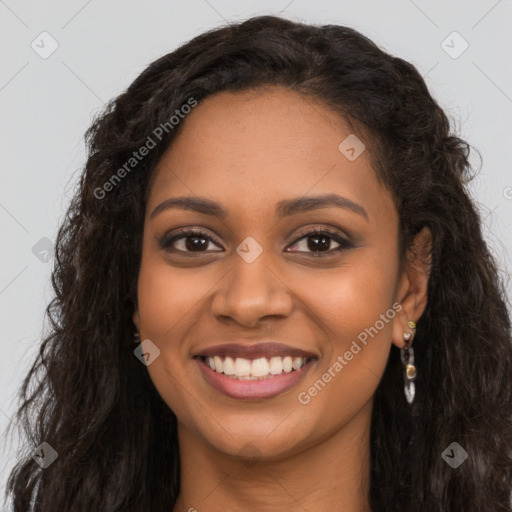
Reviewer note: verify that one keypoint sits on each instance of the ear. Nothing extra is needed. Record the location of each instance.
(136, 318)
(412, 288)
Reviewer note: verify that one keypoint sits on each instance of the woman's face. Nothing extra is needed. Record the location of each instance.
(255, 272)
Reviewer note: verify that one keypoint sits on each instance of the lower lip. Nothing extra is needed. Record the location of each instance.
(253, 389)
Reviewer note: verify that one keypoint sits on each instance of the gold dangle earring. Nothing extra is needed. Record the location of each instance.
(407, 357)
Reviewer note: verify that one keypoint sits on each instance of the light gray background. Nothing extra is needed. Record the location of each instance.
(47, 104)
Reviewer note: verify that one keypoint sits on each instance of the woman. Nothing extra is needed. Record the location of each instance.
(275, 213)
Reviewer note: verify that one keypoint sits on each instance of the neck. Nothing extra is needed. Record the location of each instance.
(332, 474)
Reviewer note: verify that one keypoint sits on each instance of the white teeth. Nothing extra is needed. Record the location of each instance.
(219, 365)
(260, 367)
(229, 366)
(297, 363)
(252, 369)
(242, 367)
(276, 366)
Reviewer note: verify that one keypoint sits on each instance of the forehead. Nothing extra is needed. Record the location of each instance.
(257, 147)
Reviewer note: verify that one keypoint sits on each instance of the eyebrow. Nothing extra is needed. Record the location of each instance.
(284, 208)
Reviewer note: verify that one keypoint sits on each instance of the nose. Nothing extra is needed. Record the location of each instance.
(251, 292)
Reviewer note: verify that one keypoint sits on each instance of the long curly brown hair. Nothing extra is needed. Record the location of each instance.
(94, 403)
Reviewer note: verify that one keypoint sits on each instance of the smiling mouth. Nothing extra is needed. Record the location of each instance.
(239, 368)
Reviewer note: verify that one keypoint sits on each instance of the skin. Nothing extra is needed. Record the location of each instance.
(248, 151)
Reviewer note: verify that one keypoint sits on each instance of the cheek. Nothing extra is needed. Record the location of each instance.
(351, 298)
(163, 299)
(169, 299)
(356, 307)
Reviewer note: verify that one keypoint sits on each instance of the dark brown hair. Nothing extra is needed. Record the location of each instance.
(92, 400)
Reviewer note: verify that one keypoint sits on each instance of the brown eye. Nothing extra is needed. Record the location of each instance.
(187, 241)
(319, 241)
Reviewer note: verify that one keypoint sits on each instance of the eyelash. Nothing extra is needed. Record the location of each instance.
(166, 242)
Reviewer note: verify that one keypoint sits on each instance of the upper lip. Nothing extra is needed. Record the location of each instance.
(267, 349)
